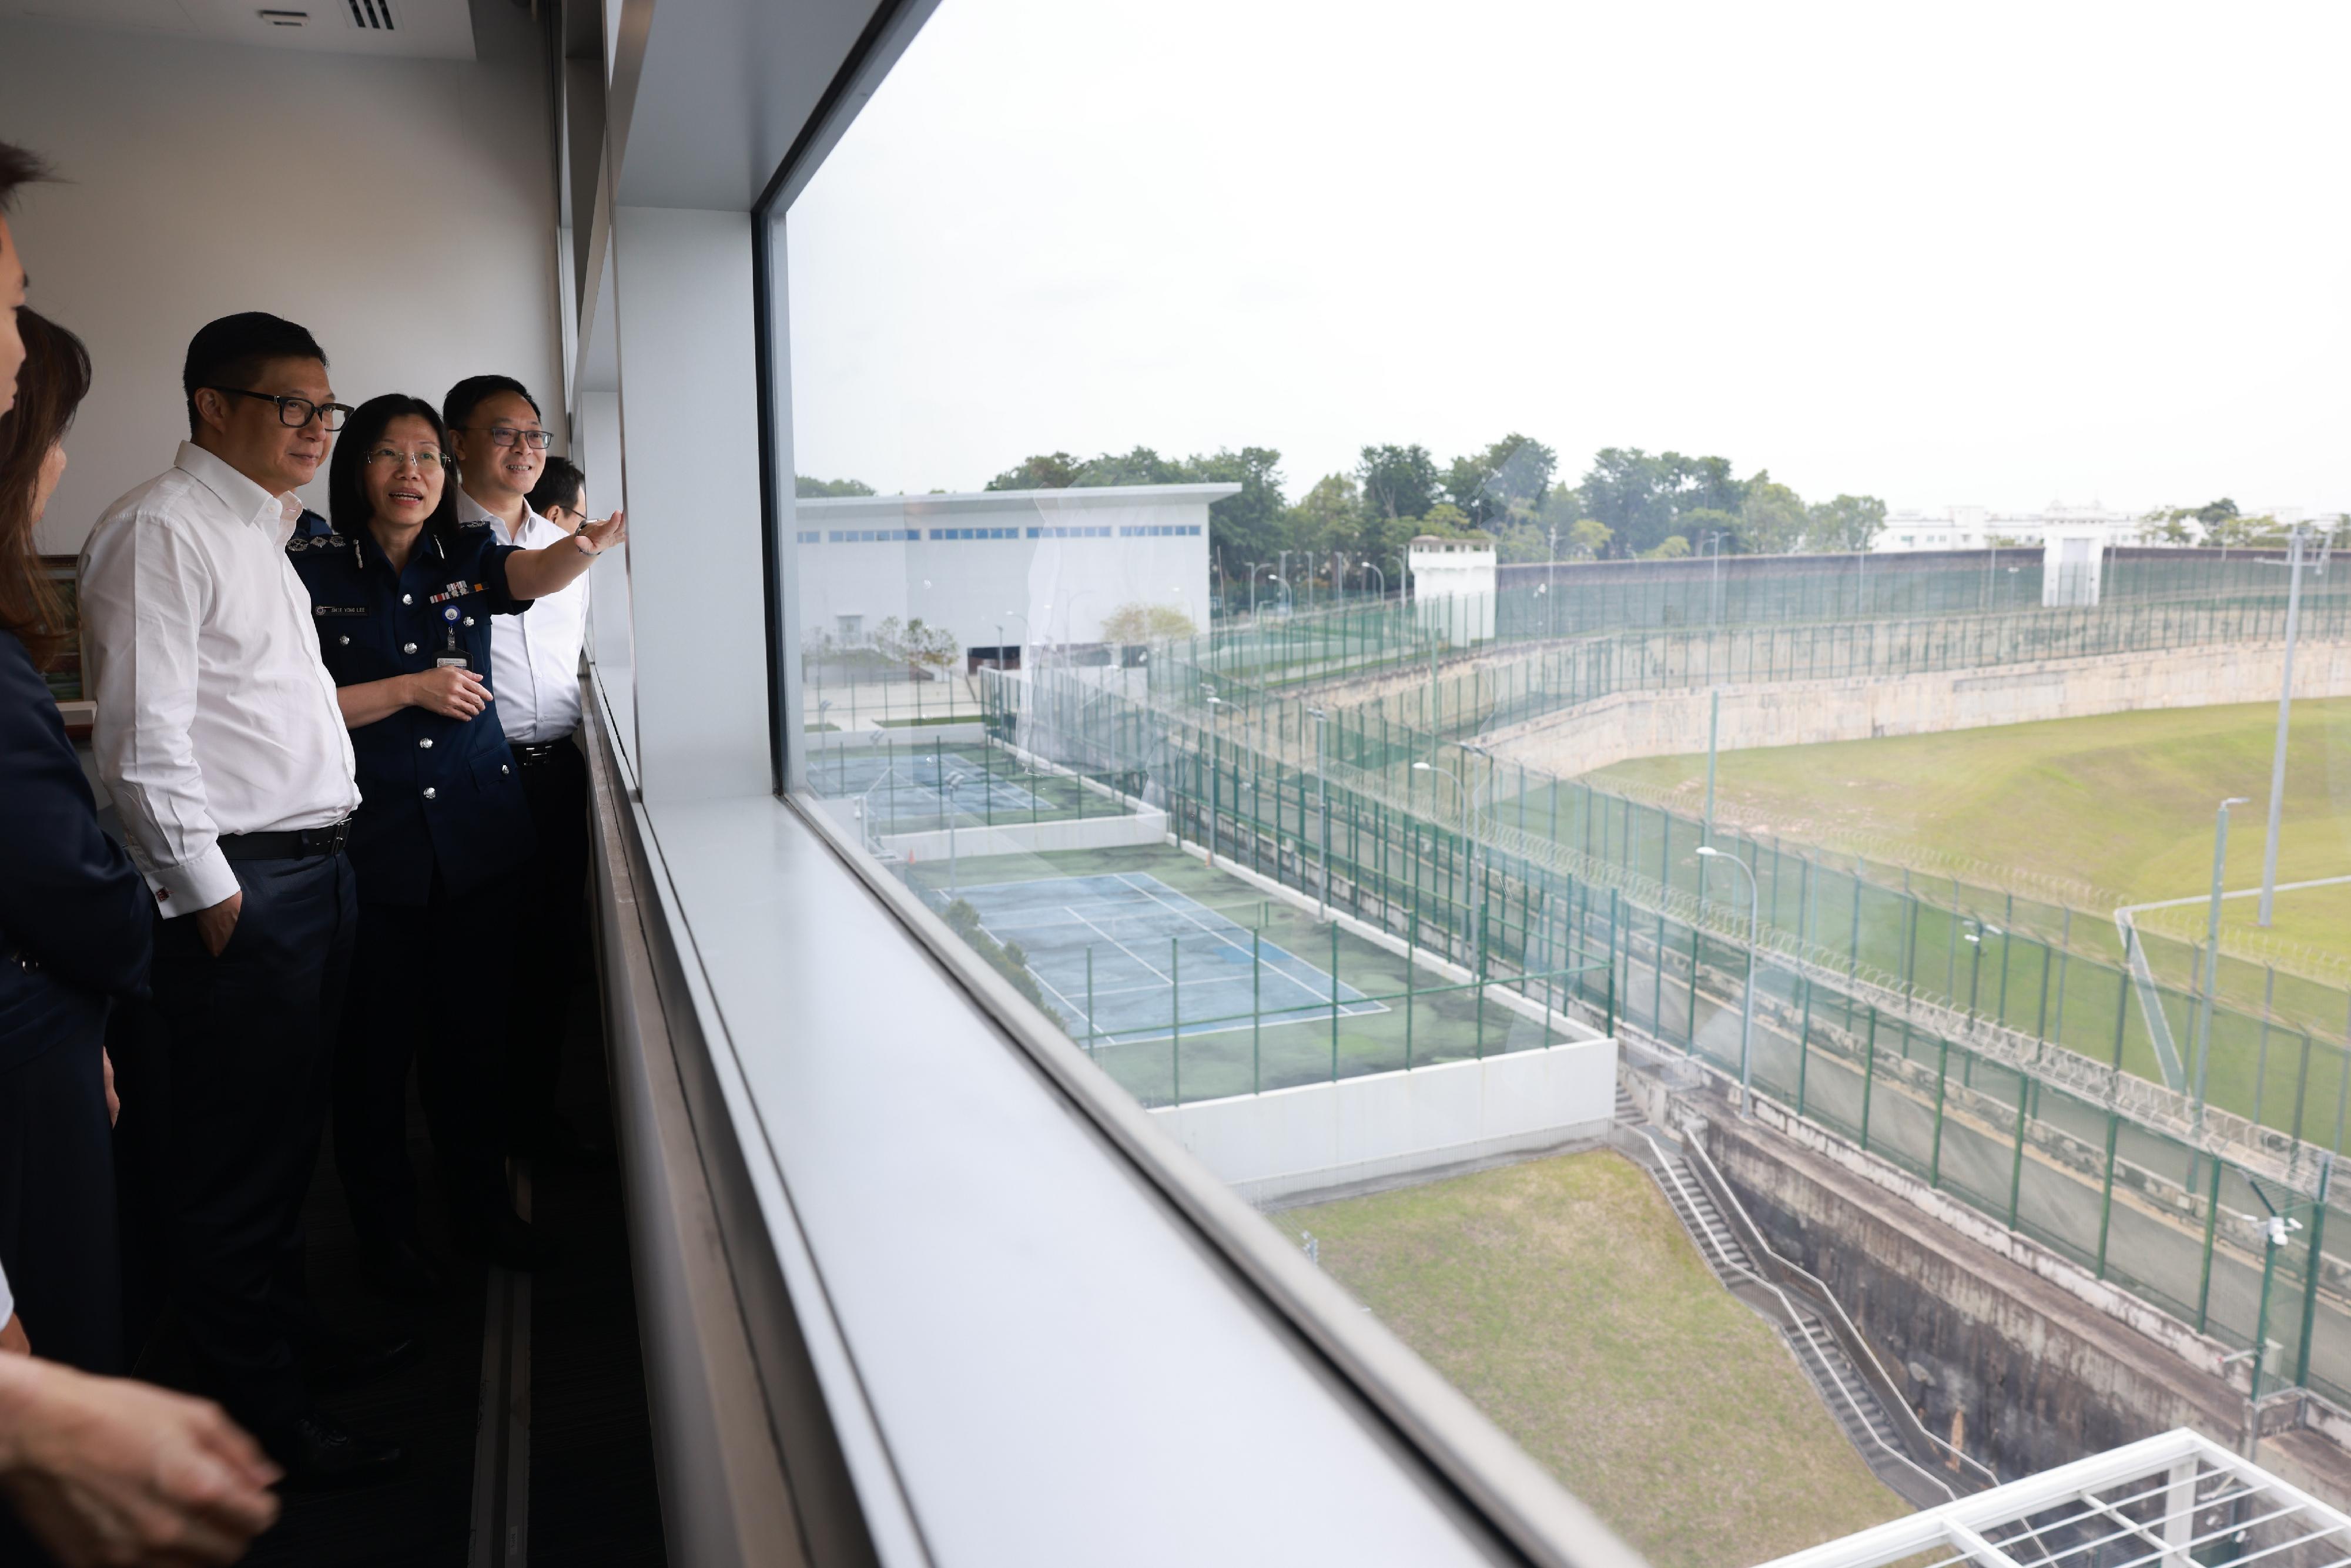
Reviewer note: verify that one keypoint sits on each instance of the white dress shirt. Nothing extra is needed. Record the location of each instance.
(215, 713)
(535, 657)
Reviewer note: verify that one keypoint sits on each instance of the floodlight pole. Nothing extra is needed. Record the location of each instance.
(1462, 791)
(1323, 810)
(2285, 712)
(954, 883)
(2212, 950)
(1747, 1002)
(1975, 964)
(1713, 729)
(1551, 588)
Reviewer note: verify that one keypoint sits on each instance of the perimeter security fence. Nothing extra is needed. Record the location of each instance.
(2059, 977)
(2233, 591)
(2049, 1138)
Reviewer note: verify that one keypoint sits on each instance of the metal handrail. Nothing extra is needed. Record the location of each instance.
(1665, 1167)
(1729, 1200)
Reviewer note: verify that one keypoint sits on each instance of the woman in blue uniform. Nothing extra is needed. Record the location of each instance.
(76, 925)
(402, 594)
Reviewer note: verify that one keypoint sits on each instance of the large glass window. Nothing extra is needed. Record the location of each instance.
(1349, 553)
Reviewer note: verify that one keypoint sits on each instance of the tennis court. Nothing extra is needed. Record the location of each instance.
(1110, 950)
(918, 783)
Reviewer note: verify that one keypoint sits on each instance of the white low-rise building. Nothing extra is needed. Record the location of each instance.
(1980, 528)
(999, 571)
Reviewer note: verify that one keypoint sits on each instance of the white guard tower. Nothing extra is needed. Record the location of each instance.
(2071, 556)
(1453, 588)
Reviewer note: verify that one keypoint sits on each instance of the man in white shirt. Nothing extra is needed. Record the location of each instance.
(502, 469)
(223, 746)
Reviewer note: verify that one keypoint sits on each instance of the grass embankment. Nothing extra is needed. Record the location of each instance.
(2122, 803)
(1562, 1297)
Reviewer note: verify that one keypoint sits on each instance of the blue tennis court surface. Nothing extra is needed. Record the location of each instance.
(1130, 922)
(918, 782)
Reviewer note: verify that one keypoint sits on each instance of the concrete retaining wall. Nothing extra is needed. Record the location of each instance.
(1806, 713)
(2038, 1373)
(1147, 826)
(1327, 1137)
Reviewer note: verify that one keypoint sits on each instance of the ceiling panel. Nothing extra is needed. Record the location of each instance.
(405, 29)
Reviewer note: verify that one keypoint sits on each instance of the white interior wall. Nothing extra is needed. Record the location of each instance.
(409, 224)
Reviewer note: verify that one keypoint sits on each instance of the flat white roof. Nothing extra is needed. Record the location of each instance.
(1074, 499)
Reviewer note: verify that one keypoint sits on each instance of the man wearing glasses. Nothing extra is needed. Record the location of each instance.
(501, 444)
(220, 741)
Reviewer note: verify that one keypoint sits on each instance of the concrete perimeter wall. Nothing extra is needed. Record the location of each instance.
(1805, 713)
(2040, 1363)
(1358, 1132)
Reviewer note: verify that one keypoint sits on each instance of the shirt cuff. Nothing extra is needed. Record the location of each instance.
(197, 884)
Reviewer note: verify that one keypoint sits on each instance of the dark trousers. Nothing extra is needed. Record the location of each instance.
(549, 937)
(56, 1205)
(426, 986)
(223, 1108)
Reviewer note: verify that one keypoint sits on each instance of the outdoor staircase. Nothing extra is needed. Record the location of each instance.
(1628, 1110)
(1717, 1243)
(1851, 1400)
(1850, 1397)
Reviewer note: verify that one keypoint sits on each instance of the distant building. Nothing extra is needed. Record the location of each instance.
(1979, 527)
(1453, 587)
(1001, 570)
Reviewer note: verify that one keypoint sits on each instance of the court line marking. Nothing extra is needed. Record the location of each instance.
(1317, 1004)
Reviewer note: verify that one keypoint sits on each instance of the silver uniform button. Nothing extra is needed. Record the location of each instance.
(469, 620)
(503, 769)
(425, 744)
(408, 647)
(408, 599)
(343, 642)
(428, 792)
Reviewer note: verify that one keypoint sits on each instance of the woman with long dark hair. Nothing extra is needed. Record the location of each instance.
(402, 593)
(75, 919)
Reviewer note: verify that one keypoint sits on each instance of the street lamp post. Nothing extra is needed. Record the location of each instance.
(2212, 948)
(1323, 811)
(1215, 703)
(955, 884)
(1747, 1002)
(1461, 790)
(1975, 940)
(2285, 711)
(1551, 588)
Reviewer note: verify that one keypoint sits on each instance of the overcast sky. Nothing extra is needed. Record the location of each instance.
(1994, 254)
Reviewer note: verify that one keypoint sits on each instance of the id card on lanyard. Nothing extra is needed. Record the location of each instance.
(450, 656)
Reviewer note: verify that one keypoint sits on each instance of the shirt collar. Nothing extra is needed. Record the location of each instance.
(274, 515)
(469, 510)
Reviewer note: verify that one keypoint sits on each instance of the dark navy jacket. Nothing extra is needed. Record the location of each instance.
(435, 792)
(77, 922)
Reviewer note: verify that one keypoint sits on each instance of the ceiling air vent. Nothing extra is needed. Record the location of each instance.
(372, 15)
(274, 18)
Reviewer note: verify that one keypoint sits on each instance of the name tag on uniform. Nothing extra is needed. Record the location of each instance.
(339, 609)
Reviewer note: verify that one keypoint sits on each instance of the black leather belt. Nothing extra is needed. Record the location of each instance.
(294, 844)
(532, 755)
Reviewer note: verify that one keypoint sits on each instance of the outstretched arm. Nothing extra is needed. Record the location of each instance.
(535, 573)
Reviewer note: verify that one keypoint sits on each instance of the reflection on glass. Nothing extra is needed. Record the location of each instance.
(1265, 785)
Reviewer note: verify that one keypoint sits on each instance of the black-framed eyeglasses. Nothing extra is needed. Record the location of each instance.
(507, 436)
(297, 412)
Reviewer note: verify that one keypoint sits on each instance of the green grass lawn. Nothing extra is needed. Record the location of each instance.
(2122, 804)
(1562, 1297)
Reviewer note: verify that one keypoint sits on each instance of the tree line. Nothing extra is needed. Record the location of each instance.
(1629, 503)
